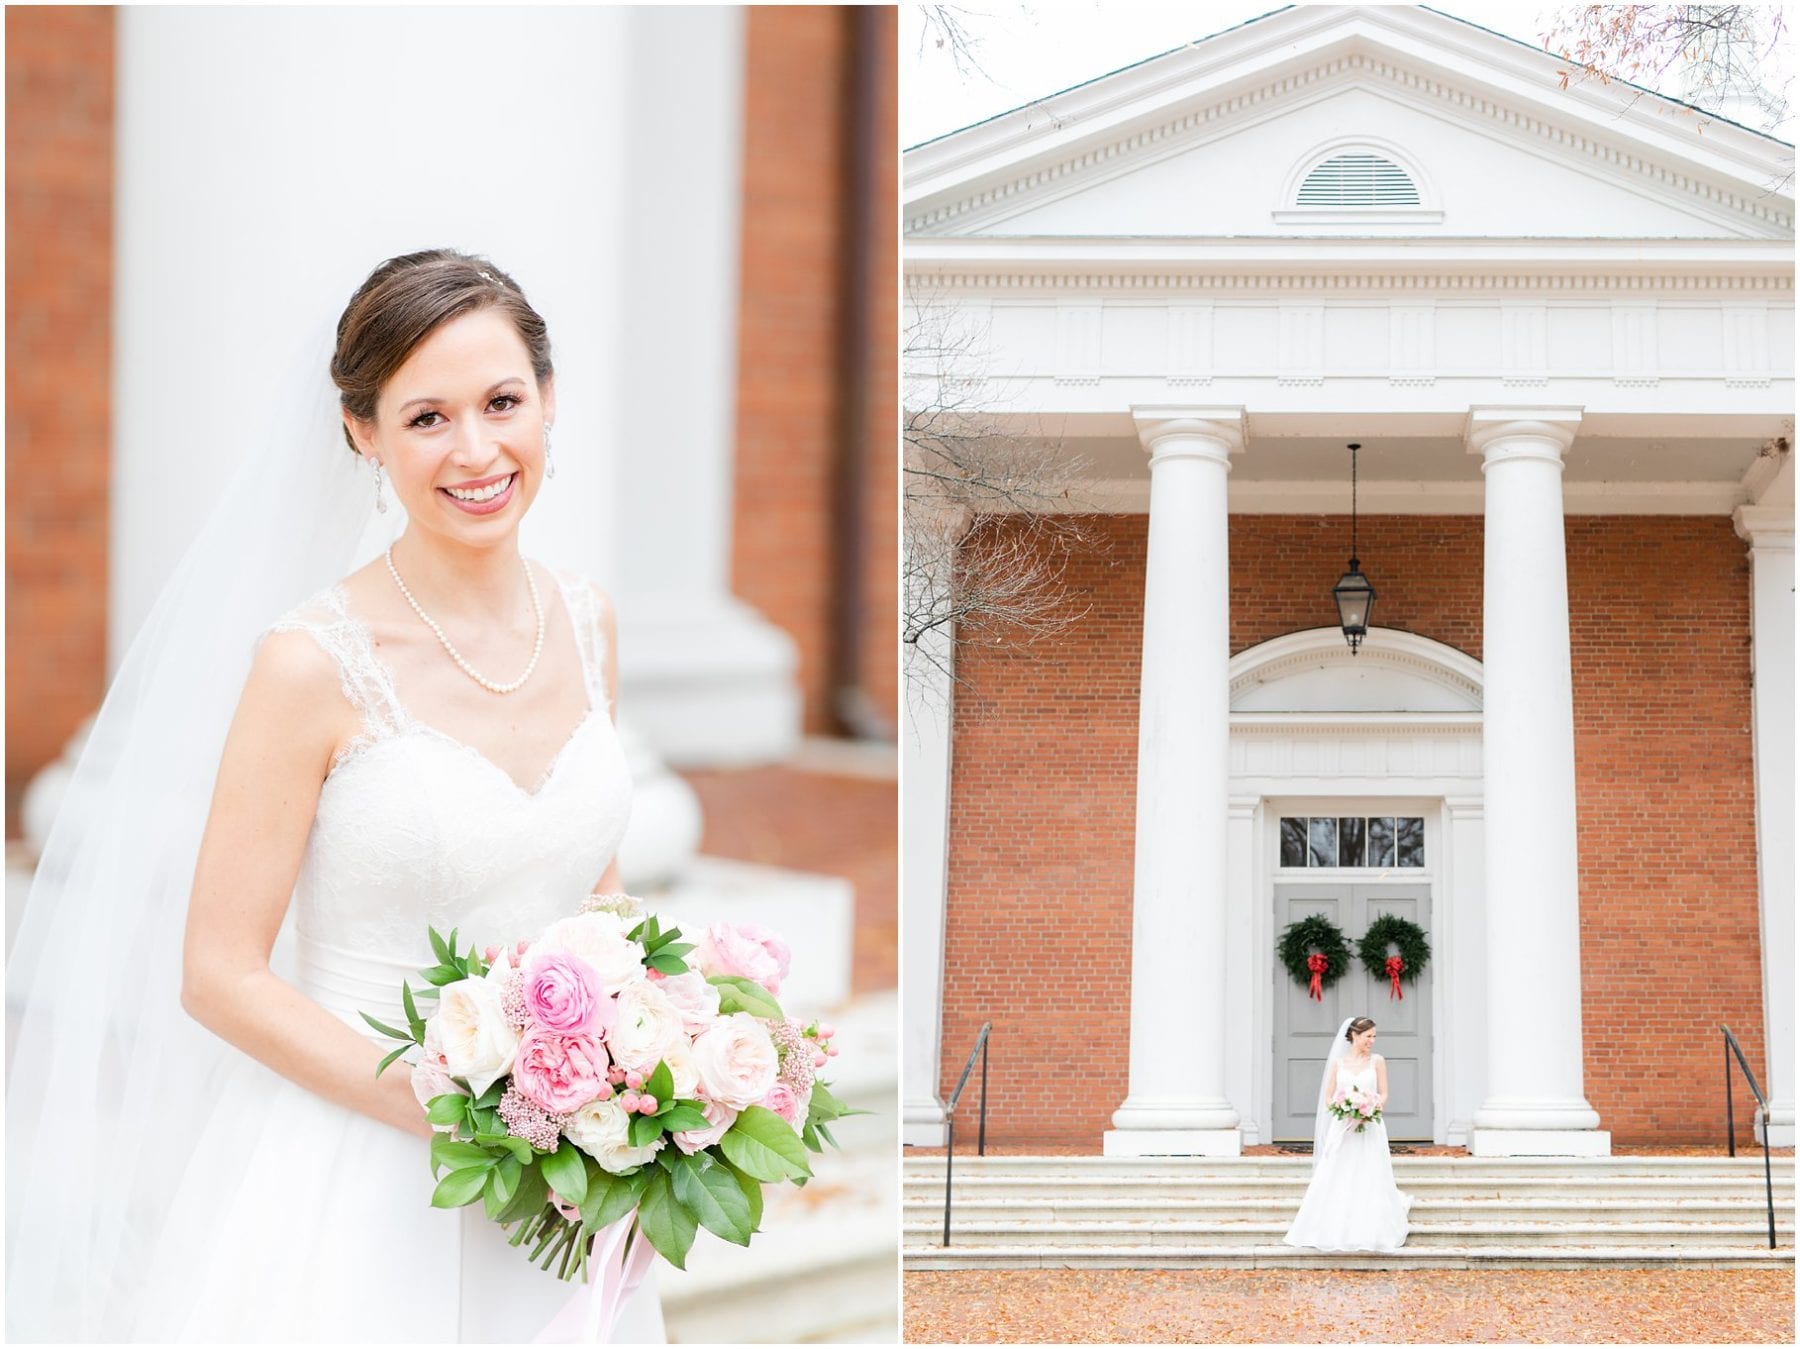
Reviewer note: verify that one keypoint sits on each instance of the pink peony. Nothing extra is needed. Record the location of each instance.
(559, 1072)
(563, 994)
(746, 949)
(782, 1099)
(721, 1118)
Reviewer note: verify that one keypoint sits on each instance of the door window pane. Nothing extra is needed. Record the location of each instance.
(1323, 839)
(1410, 843)
(1350, 842)
(1293, 842)
(1381, 841)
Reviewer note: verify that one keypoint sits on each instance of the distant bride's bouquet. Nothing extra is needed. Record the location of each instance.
(1355, 1107)
(606, 1079)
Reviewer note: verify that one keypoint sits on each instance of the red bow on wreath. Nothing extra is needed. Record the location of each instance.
(1394, 966)
(1316, 963)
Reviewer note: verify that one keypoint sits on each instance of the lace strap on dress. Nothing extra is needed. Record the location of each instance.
(584, 614)
(367, 685)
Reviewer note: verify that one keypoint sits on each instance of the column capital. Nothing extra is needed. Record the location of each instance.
(1177, 431)
(1521, 431)
(1765, 528)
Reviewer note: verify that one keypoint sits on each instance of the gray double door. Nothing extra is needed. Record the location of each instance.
(1304, 1028)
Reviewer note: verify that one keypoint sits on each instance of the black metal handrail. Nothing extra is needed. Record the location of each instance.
(1732, 1048)
(950, 1117)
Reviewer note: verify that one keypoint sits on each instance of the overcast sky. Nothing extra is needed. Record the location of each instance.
(1028, 51)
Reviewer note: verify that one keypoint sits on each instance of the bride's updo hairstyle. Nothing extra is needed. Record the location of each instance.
(1358, 1026)
(403, 302)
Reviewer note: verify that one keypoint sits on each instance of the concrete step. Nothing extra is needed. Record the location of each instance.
(1255, 1208)
(1187, 1234)
(1164, 1168)
(1671, 1190)
(1174, 1256)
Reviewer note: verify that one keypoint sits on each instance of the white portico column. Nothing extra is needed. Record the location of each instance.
(1533, 1103)
(1769, 530)
(1176, 1103)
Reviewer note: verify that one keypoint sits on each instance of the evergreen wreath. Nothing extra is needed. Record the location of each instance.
(1320, 934)
(1393, 930)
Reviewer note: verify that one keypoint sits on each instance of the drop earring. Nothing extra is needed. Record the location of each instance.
(549, 463)
(380, 500)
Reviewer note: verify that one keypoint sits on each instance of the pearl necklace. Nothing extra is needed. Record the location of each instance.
(537, 647)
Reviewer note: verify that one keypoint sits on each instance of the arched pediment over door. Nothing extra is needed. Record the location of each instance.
(1315, 671)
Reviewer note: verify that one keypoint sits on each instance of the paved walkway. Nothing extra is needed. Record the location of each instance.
(1454, 1306)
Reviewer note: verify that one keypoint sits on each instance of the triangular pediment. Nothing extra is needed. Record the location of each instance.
(1455, 132)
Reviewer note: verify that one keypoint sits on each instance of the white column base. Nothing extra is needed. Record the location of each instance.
(710, 685)
(922, 1124)
(1172, 1143)
(1781, 1127)
(1524, 1113)
(1540, 1143)
(1140, 1113)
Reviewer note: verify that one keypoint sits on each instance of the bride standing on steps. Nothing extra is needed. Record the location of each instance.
(428, 740)
(1352, 1203)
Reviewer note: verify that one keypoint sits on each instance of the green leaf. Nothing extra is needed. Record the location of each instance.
(459, 1188)
(825, 1133)
(448, 1152)
(621, 1196)
(517, 1147)
(438, 946)
(823, 1104)
(413, 1019)
(681, 1115)
(738, 994)
(680, 948)
(446, 1109)
(665, 1221)
(664, 963)
(761, 1144)
(382, 1067)
(753, 1193)
(566, 1172)
(507, 1176)
(661, 1084)
(712, 1195)
(388, 1031)
(439, 975)
(644, 1128)
(528, 1198)
(491, 1097)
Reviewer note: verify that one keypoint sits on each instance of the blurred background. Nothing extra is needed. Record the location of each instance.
(701, 203)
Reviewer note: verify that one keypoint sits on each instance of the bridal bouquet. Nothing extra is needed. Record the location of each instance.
(1355, 1107)
(609, 1079)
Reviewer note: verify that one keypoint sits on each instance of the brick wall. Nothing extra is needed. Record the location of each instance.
(1044, 782)
(790, 335)
(59, 162)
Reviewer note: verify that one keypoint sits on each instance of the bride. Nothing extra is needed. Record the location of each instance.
(427, 741)
(1351, 1203)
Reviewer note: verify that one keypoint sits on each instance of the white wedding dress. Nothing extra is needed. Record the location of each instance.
(1352, 1203)
(331, 1236)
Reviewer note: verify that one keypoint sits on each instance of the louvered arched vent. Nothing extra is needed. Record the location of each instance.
(1357, 178)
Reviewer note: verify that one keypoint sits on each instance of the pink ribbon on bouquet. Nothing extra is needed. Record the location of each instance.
(613, 1274)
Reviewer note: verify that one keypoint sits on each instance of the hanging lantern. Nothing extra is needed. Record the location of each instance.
(1354, 595)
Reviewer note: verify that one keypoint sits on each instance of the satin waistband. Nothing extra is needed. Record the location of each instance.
(348, 983)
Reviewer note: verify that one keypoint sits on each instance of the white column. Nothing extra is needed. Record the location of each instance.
(1533, 1103)
(1176, 1102)
(1246, 1064)
(707, 678)
(1769, 530)
(925, 784)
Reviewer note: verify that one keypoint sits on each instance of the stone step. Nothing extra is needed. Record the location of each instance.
(1187, 1234)
(1248, 1208)
(1497, 1256)
(1118, 1168)
(1032, 1190)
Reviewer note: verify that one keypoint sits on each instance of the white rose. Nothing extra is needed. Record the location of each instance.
(680, 1058)
(736, 1060)
(429, 1077)
(602, 1129)
(694, 998)
(647, 1028)
(478, 1041)
(599, 939)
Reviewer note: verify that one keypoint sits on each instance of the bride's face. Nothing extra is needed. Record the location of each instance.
(459, 429)
(1365, 1042)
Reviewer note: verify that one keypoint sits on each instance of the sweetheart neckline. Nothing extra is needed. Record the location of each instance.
(362, 747)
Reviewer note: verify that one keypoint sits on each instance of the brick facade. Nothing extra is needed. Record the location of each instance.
(1043, 793)
(791, 332)
(59, 165)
